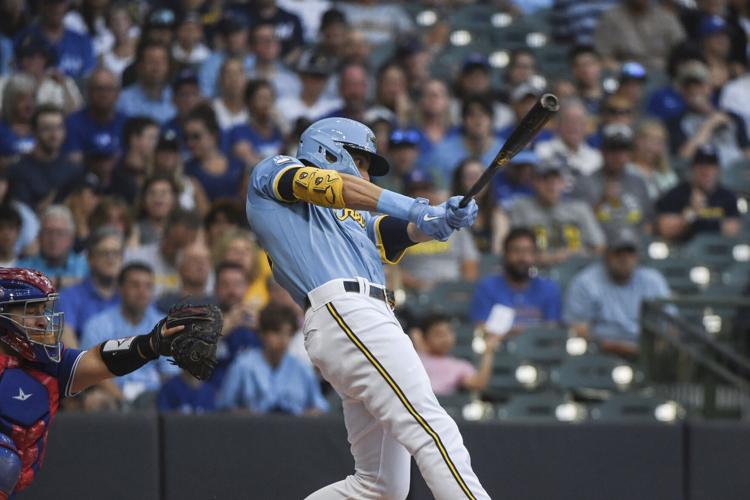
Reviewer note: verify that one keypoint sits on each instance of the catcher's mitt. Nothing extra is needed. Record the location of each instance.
(194, 348)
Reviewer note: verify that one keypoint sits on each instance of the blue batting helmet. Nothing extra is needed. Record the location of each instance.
(326, 144)
(28, 322)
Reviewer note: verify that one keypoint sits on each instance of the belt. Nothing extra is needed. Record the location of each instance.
(376, 292)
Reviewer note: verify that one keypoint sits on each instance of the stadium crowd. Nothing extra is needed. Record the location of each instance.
(128, 130)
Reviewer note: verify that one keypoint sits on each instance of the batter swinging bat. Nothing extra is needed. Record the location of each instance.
(530, 125)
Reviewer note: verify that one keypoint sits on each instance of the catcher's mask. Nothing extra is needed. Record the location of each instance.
(28, 322)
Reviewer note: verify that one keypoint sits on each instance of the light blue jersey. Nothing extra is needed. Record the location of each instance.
(310, 245)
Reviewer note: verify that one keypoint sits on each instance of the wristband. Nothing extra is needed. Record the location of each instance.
(396, 205)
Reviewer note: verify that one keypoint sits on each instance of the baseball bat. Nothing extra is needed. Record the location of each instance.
(529, 126)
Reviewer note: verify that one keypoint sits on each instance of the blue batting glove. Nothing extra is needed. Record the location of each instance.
(431, 220)
(461, 217)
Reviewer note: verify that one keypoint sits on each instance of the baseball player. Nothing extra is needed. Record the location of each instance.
(312, 216)
(37, 371)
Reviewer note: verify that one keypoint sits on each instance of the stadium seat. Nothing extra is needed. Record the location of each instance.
(454, 403)
(450, 297)
(592, 371)
(713, 250)
(489, 264)
(503, 382)
(677, 273)
(564, 272)
(539, 345)
(736, 176)
(531, 407)
(626, 407)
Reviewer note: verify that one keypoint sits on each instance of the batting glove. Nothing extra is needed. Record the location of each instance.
(461, 217)
(433, 221)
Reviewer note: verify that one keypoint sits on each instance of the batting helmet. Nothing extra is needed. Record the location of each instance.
(28, 322)
(326, 144)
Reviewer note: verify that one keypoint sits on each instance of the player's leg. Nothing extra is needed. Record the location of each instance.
(10, 466)
(361, 349)
(381, 463)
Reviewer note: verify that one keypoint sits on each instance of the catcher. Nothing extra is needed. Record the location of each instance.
(37, 371)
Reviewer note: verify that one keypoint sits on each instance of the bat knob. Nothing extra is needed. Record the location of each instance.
(550, 102)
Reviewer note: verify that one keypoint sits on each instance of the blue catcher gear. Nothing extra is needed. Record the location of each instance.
(28, 322)
(326, 144)
(10, 466)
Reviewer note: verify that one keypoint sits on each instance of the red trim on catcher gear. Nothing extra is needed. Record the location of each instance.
(28, 276)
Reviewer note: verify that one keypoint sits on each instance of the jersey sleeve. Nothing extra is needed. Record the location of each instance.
(267, 175)
(67, 369)
(389, 236)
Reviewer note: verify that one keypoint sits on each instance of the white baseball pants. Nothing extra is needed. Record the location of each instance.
(390, 410)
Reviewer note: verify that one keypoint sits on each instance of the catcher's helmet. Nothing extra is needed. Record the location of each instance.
(33, 331)
(326, 142)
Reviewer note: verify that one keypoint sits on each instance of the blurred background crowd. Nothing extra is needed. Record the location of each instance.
(128, 130)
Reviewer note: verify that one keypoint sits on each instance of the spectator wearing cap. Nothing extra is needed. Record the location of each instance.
(514, 181)
(574, 21)
(139, 137)
(651, 158)
(186, 95)
(631, 82)
(701, 123)
(378, 22)
(82, 197)
(56, 257)
(219, 174)
(229, 104)
(313, 69)
(666, 102)
(603, 302)
(716, 47)
(158, 29)
(491, 221)
(150, 95)
(618, 197)
(475, 80)
(124, 31)
(698, 205)
(98, 289)
(188, 48)
(99, 125)
(18, 104)
(569, 147)
(286, 25)
(37, 178)
(563, 227)
(34, 57)
(267, 49)
(168, 162)
(75, 51)
(403, 152)
(586, 67)
(476, 140)
(637, 30)
(523, 97)
(234, 42)
(10, 230)
(261, 136)
(354, 84)
(332, 34)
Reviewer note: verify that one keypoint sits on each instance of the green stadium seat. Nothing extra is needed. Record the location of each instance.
(489, 264)
(713, 250)
(627, 407)
(737, 176)
(450, 297)
(503, 381)
(677, 273)
(736, 276)
(454, 403)
(540, 345)
(531, 407)
(593, 371)
(564, 272)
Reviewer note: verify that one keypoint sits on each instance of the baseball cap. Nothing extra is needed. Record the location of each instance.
(313, 62)
(525, 157)
(404, 137)
(475, 60)
(547, 167)
(632, 70)
(102, 146)
(705, 154)
(378, 114)
(332, 16)
(617, 136)
(692, 72)
(624, 239)
(184, 77)
(418, 179)
(712, 25)
(168, 141)
(31, 45)
(161, 18)
(525, 89)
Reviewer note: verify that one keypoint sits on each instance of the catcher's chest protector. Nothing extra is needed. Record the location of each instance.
(29, 400)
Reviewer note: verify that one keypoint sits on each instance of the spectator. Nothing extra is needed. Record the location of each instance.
(225, 216)
(233, 42)
(534, 300)
(603, 302)
(569, 147)
(186, 95)
(702, 123)
(353, 89)
(261, 136)
(270, 380)
(332, 34)
(133, 316)
(631, 83)
(122, 52)
(159, 30)
(139, 137)
(18, 104)
(448, 374)
(487, 230)
(75, 51)
(239, 247)
(240, 319)
(666, 102)
(637, 30)
(26, 244)
(188, 48)
(651, 158)
(313, 69)
(219, 175)
(433, 118)
(56, 257)
(357, 48)
(392, 93)
(618, 196)
(393, 21)
(476, 140)
(734, 97)
(514, 181)
(522, 98)
(158, 199)
(38, 178)
(98, 124)
(521, 67)
(700, 204)
(14, 17)
(574, 21)
(287, 26)
(403, 154)
(563, 228)
(98, 290)
(115, 212)
(586, 67)
(82, 199)
(267, 49)
(10, 229)
(616, 110)
(229, 104)
(716, 47)
(150, 95)
(168, 162)
(184, 393)
(180, 231)
(194, 269)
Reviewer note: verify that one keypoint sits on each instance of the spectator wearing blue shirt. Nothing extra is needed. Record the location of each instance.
(99, 124)
(534, 300)
(270, 380)
(56, 257)
(603, 302)
(18, 103)
(186, 394)
(234, 36)
(267, 49)
(261, 136)
(186, 95)
(150, 95)
(75, 51)
(514, 182)
(98, 290)
(135, 315)
(140, 135)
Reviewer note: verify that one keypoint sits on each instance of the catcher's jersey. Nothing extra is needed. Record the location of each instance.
(310, 245)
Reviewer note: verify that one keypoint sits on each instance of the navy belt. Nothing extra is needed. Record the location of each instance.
(376, 292)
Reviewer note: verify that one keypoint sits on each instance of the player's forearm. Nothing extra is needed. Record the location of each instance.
(360, 194)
